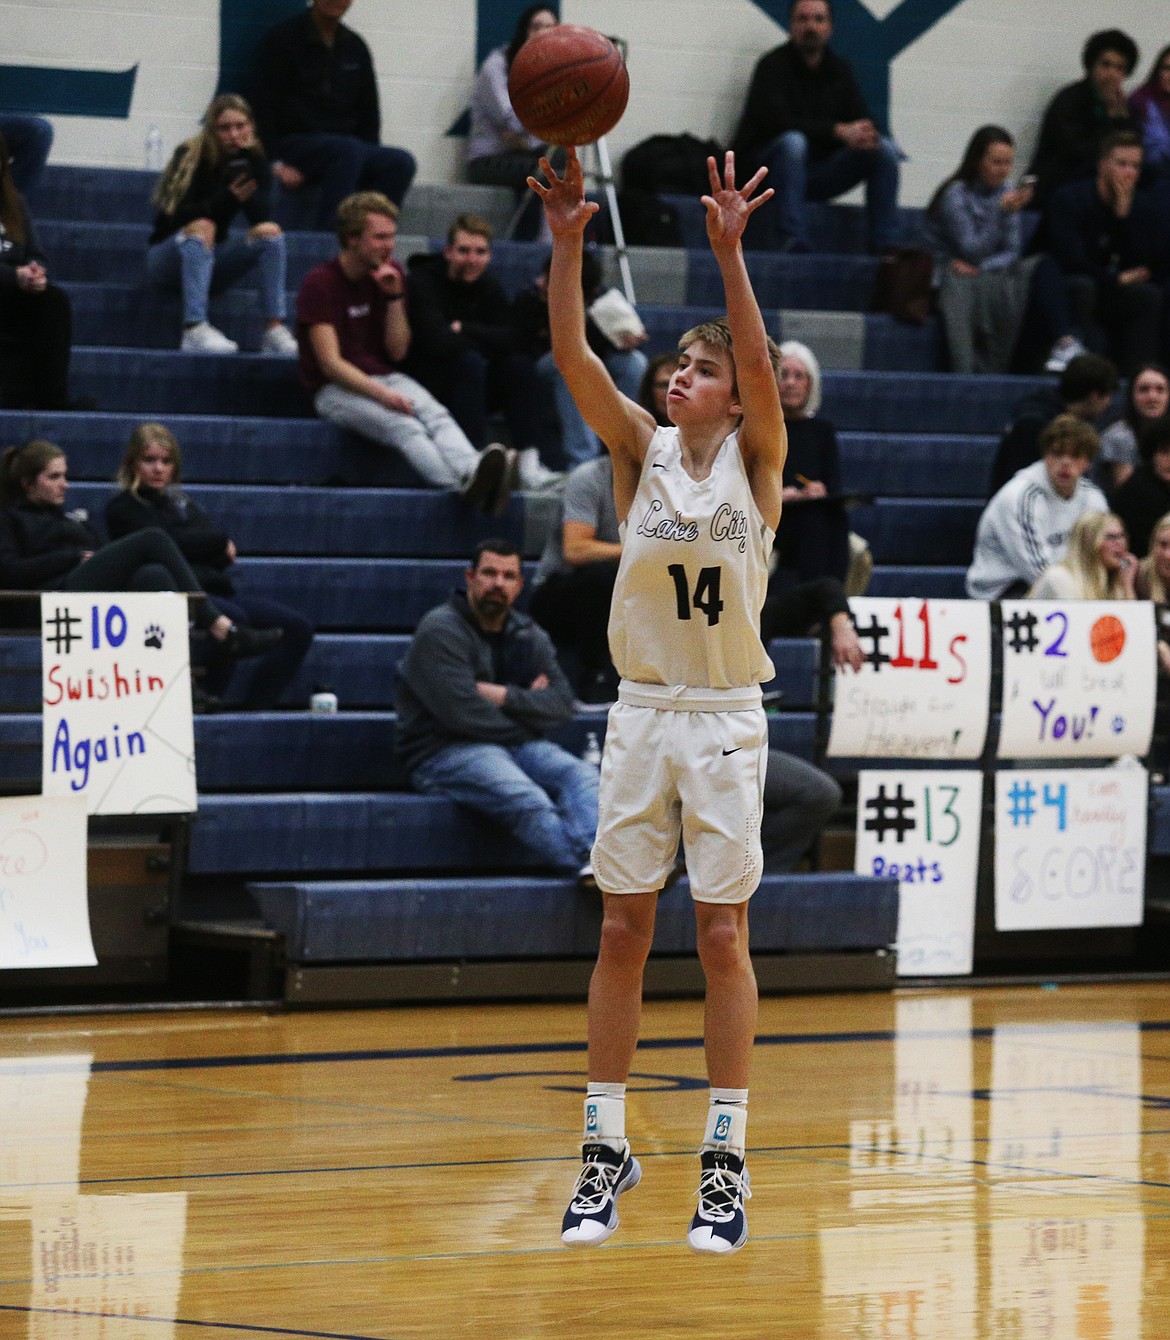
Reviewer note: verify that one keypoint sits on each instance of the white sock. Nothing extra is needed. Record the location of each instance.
(727, 1121)
(605, 1115)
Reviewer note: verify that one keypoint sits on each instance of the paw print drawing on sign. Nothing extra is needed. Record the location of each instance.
(154, 636)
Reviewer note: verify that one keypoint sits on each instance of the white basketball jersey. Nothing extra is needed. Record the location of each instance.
(693, 573)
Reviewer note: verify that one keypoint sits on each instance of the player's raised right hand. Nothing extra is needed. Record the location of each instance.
(565, 205)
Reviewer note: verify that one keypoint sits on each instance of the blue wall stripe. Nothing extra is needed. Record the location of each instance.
(44, 91)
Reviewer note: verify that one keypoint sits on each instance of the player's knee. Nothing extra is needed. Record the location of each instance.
(624, 937)
(723, 943)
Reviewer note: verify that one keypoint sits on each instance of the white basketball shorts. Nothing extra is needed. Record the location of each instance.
(668, 773)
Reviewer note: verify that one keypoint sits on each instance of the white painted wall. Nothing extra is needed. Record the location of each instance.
(690, 61)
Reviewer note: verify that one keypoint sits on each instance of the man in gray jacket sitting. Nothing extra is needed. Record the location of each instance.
(478, 690)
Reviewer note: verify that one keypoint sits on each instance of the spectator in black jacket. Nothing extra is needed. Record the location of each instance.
(316, 100)
(1080, 116)
(812, 540)
(36, 321)
(478, 693)
(465, 345)
(45, 548)
(211, 178)
(806, 120)
(1109, 239)
(1085, 389)
(1144, 498)
(149, 475)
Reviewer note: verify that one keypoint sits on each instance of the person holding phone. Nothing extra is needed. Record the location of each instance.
(985, 285)
(1097, 564)
(220, 173)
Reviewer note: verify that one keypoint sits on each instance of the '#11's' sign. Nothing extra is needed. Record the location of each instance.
(922, 690)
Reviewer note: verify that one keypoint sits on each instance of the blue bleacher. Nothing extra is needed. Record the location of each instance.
(342, 531)
(329, 921)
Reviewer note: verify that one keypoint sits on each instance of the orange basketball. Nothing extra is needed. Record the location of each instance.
(569, 85)
(1107, 638)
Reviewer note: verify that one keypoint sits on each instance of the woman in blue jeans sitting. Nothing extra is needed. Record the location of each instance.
(151, 497)
(626, 365)
(211, 178)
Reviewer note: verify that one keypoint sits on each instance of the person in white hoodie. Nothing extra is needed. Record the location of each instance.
(1025, 527)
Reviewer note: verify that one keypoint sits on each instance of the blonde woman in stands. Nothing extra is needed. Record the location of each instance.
(218, 174)
(1097, 564)
(45, 548)
(1153, 583)
(150, 475)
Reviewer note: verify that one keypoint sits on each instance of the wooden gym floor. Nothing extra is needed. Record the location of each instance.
(958, 1164)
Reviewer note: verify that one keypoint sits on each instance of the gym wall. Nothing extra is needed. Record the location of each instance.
(109, 70)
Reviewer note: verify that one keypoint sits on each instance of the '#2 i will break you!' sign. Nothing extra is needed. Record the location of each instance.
(116, 694)
(923, 688)
(1079, 678)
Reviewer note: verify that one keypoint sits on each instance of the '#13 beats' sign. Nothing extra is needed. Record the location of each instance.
(922, 691)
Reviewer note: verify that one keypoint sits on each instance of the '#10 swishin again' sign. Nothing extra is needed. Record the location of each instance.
(1070, 848)
(1079, 678)
(116, 687)
(922, 691)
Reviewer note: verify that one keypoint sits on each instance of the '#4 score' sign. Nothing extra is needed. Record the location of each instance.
(116, 694)
(1070, 848)
(1079, 678)
(922, 691)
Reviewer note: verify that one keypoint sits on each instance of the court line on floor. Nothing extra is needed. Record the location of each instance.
(683, 1151)
(551, 1048)
(182, 1321)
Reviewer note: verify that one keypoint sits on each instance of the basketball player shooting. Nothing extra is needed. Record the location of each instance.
(686, 742)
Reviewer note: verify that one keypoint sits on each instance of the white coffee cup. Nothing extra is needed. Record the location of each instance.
(323, 704)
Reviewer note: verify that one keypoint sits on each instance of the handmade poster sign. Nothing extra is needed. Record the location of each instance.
(922, 829)
(1070, 848)
(44, 908)
(116, 683)
(922, 691)
(1079, 678)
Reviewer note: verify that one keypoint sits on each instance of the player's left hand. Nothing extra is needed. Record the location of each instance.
(729, 208)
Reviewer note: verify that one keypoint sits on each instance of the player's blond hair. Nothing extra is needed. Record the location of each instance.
(717, 333)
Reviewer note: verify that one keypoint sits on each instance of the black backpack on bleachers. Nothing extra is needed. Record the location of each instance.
(669, 165)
